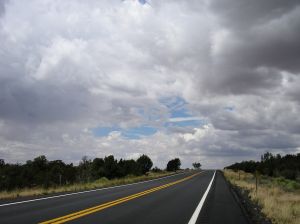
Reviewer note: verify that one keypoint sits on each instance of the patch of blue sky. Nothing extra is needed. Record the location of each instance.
(176, 106)
(173, 103)
(179, 114)
(139, 132)
(149, 114)
(130, 133)
(143, 2)
(186, 123)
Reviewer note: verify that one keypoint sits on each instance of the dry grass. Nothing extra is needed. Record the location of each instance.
(103, 182)
(279, 198)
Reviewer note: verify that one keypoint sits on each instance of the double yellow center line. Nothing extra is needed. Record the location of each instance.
(97, 208)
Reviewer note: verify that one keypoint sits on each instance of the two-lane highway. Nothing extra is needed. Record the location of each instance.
(174, 199)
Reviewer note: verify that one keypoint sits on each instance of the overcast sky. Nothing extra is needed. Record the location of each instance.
(210, 81)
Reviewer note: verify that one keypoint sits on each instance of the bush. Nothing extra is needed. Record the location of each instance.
(156, 170)
(102, 180)
(289, 174)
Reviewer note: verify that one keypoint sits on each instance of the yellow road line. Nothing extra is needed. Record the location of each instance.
(97, 208)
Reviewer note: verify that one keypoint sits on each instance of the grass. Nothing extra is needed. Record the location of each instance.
(278, 197)
(100, 183)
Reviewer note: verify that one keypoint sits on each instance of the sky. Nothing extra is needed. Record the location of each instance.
(209, 81)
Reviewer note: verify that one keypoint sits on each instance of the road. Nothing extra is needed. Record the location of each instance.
(192, 197)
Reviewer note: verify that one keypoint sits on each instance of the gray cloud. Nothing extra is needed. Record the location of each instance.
(253, 44)
(2, 7)
(241, 14)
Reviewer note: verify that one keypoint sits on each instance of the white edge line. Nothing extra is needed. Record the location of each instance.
(82, 192)
(196, 213)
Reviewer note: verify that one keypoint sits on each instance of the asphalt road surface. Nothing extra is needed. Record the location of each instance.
(192, 197)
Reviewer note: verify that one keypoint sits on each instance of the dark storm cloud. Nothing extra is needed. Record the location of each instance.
(41, 102)
(260, 39)
(238, 14)
(233, 79)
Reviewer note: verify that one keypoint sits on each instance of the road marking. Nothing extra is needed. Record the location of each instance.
(97, 208)
(196, 213)
(82, 192)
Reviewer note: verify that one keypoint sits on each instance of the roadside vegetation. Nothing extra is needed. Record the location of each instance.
(100, 183)
(278, 197)
(287, 166)
(41, 177)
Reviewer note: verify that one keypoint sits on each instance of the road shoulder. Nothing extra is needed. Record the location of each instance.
(251, 210)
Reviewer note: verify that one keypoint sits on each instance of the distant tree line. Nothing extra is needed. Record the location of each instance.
(44, 173)
(287, 166)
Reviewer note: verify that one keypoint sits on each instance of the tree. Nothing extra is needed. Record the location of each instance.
(126, 167)
(39, 167)
(144, 163)
(56, 172)
(40, 162)
(110, 167)
(197, 165)
(84, 168)
(174, 164)
(2, 163)
(97, 168)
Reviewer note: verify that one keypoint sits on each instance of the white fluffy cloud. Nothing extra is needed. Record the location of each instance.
(69, 67)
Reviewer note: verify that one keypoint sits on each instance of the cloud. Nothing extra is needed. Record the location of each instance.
(203, 80)
(2, 7)
(242, 14)
(253, 44)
